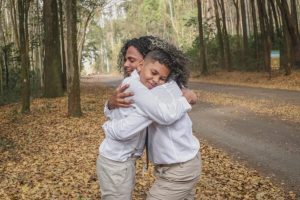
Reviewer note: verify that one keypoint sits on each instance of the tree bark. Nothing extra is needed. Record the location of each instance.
(74, 108)
(219, 35)
(294, 15)
(255, 34)
(236, 5)
(203, 63)
(23, 7)
(62, 40)
(245, 53)
(13, 15)
(266, 40)
(52, 60)
(1, 52)
(291, 33)
(226, 39)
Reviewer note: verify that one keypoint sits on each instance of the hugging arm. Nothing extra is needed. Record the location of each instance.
(126, 128)
(158, 111)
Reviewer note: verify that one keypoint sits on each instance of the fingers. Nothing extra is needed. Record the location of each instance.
(125, 103)
(122, 88)
(125, 94)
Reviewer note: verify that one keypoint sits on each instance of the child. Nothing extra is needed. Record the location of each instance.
(116, 162)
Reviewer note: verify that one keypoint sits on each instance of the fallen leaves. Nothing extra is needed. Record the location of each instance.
(253, 79)
(46, 155)
(283, 111)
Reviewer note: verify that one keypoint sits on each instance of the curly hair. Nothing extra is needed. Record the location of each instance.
(145, 44)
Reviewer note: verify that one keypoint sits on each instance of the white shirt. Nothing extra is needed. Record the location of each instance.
(123, 138)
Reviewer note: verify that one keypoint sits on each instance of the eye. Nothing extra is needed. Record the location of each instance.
(153, 72)
(163, 79)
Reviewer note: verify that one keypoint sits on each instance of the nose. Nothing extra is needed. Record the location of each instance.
(156, 79)
(126, 64)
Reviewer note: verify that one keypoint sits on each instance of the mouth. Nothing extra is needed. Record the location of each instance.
(151, 85)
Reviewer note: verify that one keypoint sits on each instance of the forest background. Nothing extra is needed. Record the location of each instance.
(45, 46)
(215, 34)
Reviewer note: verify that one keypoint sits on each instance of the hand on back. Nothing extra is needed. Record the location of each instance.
(118, 99)
(190, 96)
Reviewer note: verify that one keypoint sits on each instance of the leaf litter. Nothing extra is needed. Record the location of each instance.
(47, 155)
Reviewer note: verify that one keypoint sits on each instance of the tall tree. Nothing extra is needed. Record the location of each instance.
(203, 63)
(1, 54)
(62, 40)
(226, 39)
(245, 34)
(266, 40)
(294, 15)
(255, 34)
(74, 108)
(219, 35)
(23, 7)
(52, 60)
(237, 27)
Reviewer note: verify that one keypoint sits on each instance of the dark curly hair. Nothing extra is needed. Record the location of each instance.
(145, 44)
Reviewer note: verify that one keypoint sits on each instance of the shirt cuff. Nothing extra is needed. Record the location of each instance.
(107, 112)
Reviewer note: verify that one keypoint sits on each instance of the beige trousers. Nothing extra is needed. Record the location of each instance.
(117, 179)
(176, 181)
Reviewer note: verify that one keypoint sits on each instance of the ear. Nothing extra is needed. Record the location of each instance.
(140, 66)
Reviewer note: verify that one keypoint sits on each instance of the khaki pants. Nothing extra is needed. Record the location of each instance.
(117, 179)
(176, 181)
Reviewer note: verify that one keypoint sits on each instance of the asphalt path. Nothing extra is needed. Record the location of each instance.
(267, 144)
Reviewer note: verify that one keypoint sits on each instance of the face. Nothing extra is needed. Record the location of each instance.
(133, 59)
(153, 74)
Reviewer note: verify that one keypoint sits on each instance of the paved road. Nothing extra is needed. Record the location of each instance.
(270, 145)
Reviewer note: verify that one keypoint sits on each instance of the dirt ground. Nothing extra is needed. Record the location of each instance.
(46, 155)
(253, 79)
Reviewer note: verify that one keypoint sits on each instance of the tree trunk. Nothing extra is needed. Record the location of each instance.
(82, 38)
(226, 39)
(219, 35)
(1, 51)
(288, 47)
(275, 17)
(23, 7)
(236, 5)
(13, 15)
(52, 60)
(271, 23)
(203, 63)
(266, 40)
(294, 15)
(255, 33)
(292, 32)
(62, 40)
(74, 108)
(245, 51)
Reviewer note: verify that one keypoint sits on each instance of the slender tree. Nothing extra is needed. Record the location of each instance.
(226, 38)
(266, 40)
(237, 10)
(52, 59)
(255, 34)
(245, 54)
(62, 40)
(23, 7)
(203, 63)
(219, 35)
(74, 108)
(1, 54)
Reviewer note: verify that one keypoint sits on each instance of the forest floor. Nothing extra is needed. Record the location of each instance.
(47, 155)
(252, 79)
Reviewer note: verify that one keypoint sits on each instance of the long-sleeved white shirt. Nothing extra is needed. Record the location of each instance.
(124, 139)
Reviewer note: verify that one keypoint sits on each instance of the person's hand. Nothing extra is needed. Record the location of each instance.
(190, 96)
(118, 99)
